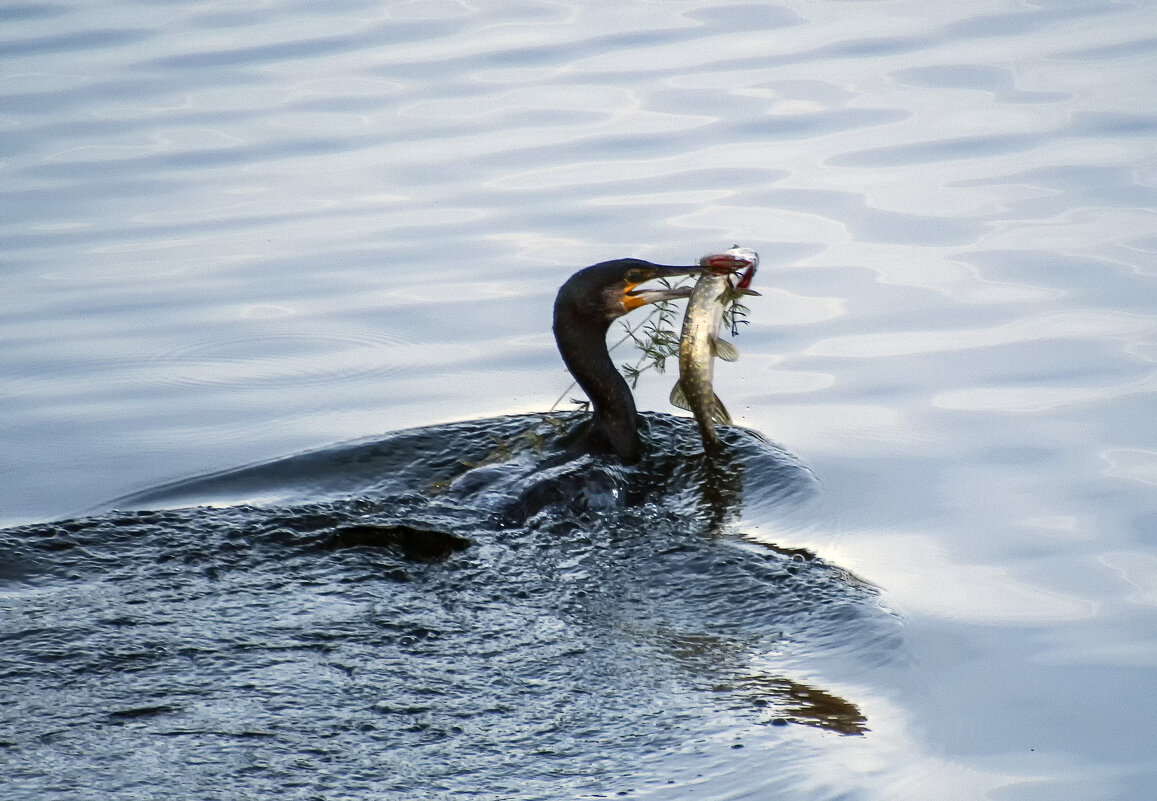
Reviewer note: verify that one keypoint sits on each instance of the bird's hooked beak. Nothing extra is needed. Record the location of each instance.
(634, 298)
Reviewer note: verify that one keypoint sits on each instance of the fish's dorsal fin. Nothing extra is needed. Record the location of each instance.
(678, 399)
(719, 413)
(724, 349)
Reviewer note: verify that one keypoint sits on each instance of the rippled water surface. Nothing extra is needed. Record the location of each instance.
(244, 244)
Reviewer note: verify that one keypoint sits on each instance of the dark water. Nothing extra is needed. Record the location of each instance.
(415, 636)
(235, 236)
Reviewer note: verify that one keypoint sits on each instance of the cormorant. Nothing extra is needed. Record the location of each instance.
(586, 305)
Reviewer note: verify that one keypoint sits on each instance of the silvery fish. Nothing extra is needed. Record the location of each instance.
(700, 344)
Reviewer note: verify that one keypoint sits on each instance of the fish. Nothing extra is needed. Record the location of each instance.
(700, 344)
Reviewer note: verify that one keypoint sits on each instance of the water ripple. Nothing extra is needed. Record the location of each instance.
(235, 231)
(999, 82)
(71, 42)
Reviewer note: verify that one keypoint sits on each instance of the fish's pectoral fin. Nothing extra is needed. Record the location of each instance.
(678, 398)
(719, 414)
(724, 349)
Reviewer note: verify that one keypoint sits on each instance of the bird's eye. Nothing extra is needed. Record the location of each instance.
(635, 276)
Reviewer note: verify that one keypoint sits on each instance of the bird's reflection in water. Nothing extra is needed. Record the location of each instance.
(775, 700)
(794, 702)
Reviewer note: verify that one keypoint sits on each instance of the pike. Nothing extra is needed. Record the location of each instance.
(699, 344)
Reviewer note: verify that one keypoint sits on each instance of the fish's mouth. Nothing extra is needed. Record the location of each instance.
(744, 284)
(732, 261)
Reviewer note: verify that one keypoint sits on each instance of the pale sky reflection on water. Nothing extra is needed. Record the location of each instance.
(236, 233)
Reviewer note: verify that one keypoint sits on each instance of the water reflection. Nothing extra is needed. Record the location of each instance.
(234, 233)
(725, 667)
(790, 701)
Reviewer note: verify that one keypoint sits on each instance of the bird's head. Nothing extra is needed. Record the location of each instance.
(613, 288)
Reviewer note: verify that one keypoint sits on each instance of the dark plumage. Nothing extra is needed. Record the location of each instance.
(586, 305)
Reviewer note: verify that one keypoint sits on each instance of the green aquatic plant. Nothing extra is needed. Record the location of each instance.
(734, 312)
(656, 337)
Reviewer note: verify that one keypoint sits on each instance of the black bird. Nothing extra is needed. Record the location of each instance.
(586, 305)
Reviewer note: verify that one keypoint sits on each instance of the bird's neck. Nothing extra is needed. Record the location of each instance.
(614, 424)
